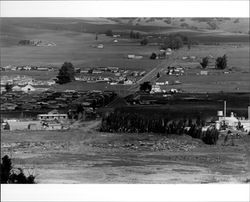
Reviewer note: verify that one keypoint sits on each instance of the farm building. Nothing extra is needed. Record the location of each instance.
(100, 46)
(205, 73)
(155, 89)
(52, 115)
(43, 69)
(131, 56)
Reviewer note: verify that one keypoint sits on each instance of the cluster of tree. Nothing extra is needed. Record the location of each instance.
(134, 35)
(175, 41)
(221, 62)
(8, 87)
(10, 176)
(146, 86)
(66, 73)
(134, 123)
(25, 42)
(204, 62)
(109, 32)
(144, 42)
(161, 55)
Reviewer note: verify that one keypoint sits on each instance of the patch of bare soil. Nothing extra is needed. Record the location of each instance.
(84, 155)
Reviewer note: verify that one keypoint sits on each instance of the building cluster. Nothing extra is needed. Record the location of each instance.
(27, 68)
(233, 122)
(175, 70)
(25, 84)
(111, 75)
(49, 100)
(53, 108)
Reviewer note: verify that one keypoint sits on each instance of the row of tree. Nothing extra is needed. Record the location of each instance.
(118, 122)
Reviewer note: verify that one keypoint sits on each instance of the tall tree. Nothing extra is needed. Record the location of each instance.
(204, 62)
(109, 32)
(66, 73)
(221, 62)
(8, 87)
(146, 87)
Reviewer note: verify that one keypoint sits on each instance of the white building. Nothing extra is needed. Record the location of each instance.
(52, 116)
(155, 89)
(28, 88)
(230, 121)
(100, 46)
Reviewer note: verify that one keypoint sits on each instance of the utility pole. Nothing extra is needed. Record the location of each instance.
(225, 109)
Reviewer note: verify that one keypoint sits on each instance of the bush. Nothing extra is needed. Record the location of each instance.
(9, 175)
(153, 56)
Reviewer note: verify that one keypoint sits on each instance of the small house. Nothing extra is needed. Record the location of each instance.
(100, 46)
(205, 73)
(131, 56)
(42, 69)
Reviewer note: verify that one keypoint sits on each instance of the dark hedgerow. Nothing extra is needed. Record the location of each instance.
(119, 122)
(211, 136)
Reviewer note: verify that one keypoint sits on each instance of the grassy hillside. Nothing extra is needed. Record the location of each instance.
(74, 38)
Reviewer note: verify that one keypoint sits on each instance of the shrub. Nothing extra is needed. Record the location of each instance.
(153, 56)
(210, 137)
(9, 175)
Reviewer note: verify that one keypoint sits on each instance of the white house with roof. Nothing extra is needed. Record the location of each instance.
(28, 88)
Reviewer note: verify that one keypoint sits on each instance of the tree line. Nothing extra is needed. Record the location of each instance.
(121, 122)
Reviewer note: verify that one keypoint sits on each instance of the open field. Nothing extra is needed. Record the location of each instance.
(216, 82)
(87, 156)
(74, 39)
(76, 48)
